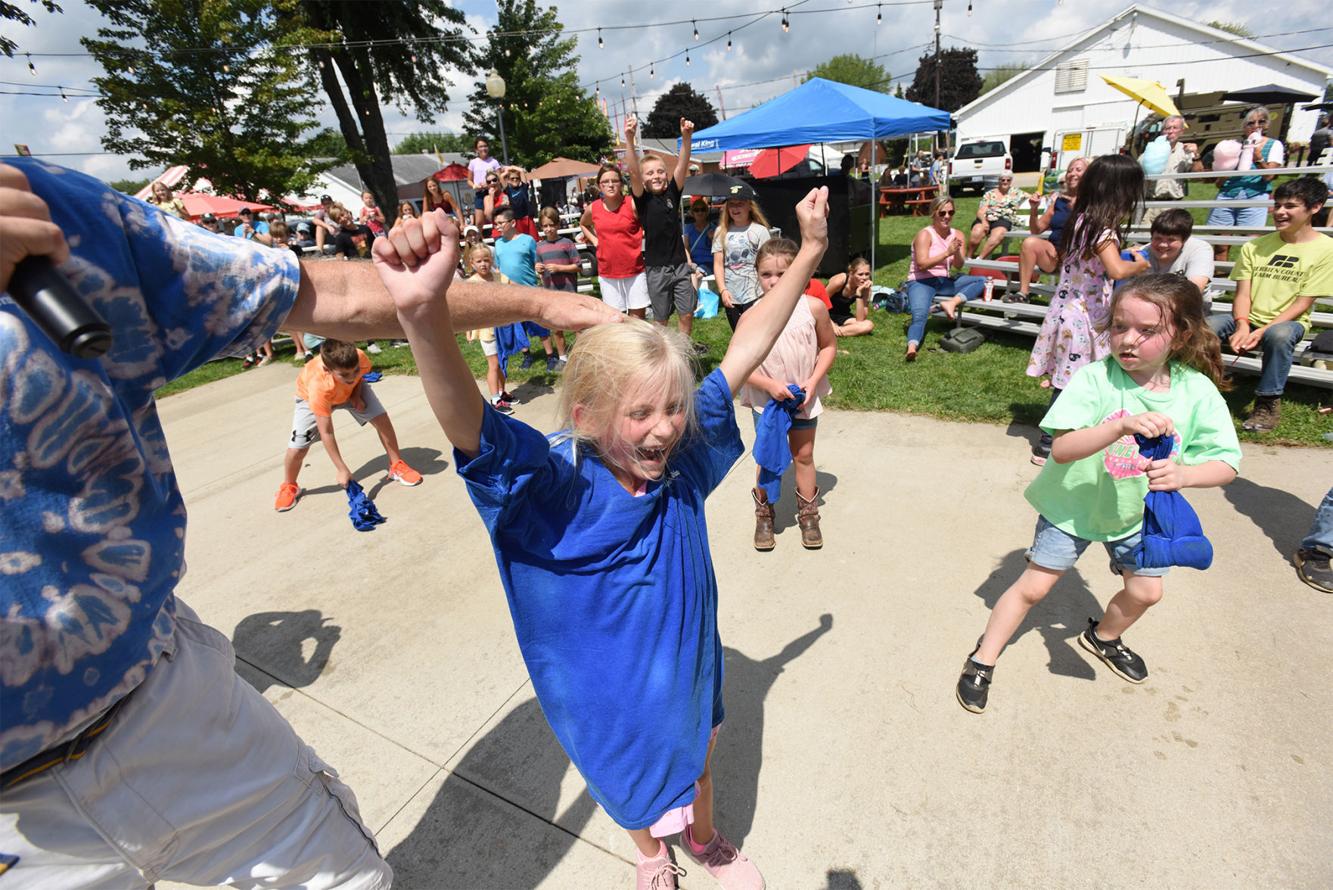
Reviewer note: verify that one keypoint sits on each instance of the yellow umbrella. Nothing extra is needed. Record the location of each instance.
(1145, 92)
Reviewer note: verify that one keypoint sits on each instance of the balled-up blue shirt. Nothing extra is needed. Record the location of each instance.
(93, 534)
(614, 600)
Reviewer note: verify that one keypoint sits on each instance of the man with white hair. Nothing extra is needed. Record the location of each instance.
(1180, 160)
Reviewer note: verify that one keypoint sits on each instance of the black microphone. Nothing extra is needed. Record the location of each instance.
(62, 313)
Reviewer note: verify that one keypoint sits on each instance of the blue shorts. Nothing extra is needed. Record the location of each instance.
(1058, 550)
(479, 199)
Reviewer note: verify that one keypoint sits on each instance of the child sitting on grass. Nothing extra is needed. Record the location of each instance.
(329, 381)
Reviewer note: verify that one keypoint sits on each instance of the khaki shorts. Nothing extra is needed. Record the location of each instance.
(197, 780)
(305, 431)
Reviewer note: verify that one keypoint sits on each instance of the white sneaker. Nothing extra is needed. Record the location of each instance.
(374, 349)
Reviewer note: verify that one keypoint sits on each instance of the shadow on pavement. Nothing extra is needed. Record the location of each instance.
(843, 879)
(474, 833)
(1283, 517)
(272, 642)
(740, 743)
(426, 461)
(1059, 618)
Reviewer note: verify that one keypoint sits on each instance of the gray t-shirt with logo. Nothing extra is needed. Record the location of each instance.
(1195, 260)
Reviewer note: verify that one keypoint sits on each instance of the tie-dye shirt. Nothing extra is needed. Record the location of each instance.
(92, 541)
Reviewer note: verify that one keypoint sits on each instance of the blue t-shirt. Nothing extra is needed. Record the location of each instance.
(260, 228)
(517, 259)
(701, 244)
(1059, 217)
(614, 600)
(520, 200)
(93, 535)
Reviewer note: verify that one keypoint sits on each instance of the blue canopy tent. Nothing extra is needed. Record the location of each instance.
(822, 110)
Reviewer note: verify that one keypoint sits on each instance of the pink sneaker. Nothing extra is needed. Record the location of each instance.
(657, 873)
(729, 866)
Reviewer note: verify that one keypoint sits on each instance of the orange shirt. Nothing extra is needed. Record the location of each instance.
(322, 390)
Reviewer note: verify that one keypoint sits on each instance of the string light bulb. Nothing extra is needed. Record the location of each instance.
(600, 43)
(622, 80)
(696, 30)
(63, 96)
(728, 41)
(226, 69)
(969, 8)
(651, 71)
(687, 58)
(32, 69)
(786, 25)
(879, 14)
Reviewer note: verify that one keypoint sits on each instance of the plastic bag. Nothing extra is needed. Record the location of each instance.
(708, 303)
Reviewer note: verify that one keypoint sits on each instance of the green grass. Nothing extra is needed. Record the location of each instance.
(985, 386)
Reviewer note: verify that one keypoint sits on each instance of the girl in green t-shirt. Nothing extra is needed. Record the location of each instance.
(1161, 379)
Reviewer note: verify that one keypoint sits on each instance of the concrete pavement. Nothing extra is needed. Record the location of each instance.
(845, 761)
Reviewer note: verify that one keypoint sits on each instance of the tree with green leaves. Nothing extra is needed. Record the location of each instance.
(546, 112)
(680, 101)
(430, 143)
(854, 70)
(129, 186)
(212, 92)
(399, 50)
(959, 81)
(15, 13)
(999, 75)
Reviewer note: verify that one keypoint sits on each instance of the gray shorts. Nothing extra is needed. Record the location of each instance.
(1058, 550)
(671, 287)
(304, 431)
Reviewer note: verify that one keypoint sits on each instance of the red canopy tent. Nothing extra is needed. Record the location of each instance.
(776, 161)
(198, 203)
(451, 173)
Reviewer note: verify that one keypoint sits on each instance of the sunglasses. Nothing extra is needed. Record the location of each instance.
(945, 213)
(608, 182)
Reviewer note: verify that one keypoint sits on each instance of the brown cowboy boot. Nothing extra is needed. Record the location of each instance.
(763, 521)
(807, 516)
(1265, 416)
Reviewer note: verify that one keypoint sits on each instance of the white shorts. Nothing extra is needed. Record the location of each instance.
(197, 780)
(305, 429)
(491, 346)
(625, 293)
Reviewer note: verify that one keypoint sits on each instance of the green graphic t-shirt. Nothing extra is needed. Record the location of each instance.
(1280, 272)
(1100, 498)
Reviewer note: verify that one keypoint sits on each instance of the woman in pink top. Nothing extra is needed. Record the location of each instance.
(478, 169)
(802, 355)
(611, 225)
(936, 249)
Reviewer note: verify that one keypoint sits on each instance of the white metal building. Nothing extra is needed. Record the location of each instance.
(1065, 92)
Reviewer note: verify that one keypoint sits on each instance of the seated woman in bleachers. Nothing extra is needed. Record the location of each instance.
(1040, 250)
(849, 299)
(996, 215)
(935, 250)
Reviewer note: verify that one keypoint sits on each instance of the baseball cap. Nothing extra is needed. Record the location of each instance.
(467, 229)
(325, 199)
(208, 218)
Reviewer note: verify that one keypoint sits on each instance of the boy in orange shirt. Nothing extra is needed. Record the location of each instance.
(330, 381)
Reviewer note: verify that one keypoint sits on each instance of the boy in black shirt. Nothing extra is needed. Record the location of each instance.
(657, 201)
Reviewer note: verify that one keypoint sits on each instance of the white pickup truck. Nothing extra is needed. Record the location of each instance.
(978, 165)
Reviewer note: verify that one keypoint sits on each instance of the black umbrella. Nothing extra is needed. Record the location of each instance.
(1318, 106)
(719, 185)
(1269, 94)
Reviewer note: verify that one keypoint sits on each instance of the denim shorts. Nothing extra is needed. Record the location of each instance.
(1058, 550)
(797, 423)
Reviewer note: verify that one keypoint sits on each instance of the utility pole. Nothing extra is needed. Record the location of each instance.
(720, 106)
(634, 92)
(938, 5)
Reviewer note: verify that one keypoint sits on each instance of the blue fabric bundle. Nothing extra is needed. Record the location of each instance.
(372, 377)
(510, 340)
(1172, 535)
(771, 450)
(361, 509)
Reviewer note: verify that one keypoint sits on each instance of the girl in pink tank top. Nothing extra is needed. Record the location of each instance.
(802, 356)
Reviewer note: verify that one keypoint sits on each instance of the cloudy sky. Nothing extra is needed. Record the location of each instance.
(762, 62)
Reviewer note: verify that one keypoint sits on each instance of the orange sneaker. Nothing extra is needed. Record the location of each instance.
(288, 492)
(404, 474)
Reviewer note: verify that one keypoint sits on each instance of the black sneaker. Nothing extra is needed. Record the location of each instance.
(1314, 569)
(974, 684)
(551, 363)
(1118, 657)
(528, 359)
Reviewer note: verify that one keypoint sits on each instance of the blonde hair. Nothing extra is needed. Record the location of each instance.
(475, 249)
(785, 248)
(611, 364)
(756, 216)
(548, 214)
(938, 204)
